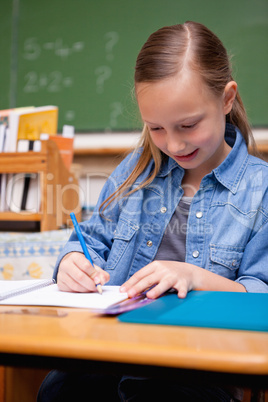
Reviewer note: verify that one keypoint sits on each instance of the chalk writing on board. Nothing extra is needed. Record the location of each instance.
(50, 82)
(111, 39)
(33, 48)
(117, 110)
(69, 115)
(103, 73)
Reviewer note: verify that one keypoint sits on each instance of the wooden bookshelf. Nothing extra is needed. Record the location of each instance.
(58, 186)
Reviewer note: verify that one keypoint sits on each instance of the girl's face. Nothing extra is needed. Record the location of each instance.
(186, 121)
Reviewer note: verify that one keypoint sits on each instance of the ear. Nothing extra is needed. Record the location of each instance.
(229, 96)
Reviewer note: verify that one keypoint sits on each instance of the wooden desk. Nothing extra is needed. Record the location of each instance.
(51, 337)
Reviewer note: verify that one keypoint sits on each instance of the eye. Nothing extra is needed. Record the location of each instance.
(189, 126)
(155, 128)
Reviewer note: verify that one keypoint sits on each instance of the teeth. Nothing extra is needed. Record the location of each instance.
(184, 156)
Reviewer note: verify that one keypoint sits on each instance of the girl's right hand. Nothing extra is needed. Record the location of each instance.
(76, 274)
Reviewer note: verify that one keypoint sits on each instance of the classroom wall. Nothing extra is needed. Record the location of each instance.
(80, 55)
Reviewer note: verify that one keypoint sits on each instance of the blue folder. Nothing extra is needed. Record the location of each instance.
(230, 310)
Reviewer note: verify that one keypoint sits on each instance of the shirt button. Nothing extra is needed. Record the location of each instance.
(163, 210)
(195, 253)
(149, 243)
(199, 214)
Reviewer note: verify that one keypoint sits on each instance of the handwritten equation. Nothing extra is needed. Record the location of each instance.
(33, 48)
(51, 82)
(51, 79)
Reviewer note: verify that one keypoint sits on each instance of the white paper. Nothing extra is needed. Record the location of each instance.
(52, 296)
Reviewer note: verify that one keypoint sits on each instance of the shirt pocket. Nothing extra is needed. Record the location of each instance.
(225, 260)
(123, 235)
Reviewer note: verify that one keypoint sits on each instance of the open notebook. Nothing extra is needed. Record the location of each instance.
(43, 292)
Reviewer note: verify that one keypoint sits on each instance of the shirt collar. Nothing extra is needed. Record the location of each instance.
(230, 172)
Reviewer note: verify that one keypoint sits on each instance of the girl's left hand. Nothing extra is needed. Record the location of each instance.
(163, 275)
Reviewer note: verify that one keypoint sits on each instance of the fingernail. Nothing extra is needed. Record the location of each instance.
(122, 289)
(97, 280)
(131, 293)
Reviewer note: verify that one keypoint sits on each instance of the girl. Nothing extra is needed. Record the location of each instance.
(189, 208)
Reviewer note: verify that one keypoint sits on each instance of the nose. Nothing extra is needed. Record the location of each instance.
(175, 143)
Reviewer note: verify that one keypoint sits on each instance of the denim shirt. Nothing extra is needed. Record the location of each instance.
(227, 228)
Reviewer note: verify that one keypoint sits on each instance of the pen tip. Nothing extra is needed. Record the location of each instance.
(99, 288)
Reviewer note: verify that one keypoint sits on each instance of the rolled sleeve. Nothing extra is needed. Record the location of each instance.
(253, 272)
(75, 246)
(253, 285)
(97, 232)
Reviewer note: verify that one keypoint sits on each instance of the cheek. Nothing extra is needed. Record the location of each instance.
(205, 141)
(208, 136)
(210, 142)
(201, 139)
(158, 140)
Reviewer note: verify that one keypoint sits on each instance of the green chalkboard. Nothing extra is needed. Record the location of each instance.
(80, 54)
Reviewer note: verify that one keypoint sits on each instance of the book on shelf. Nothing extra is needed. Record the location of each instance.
(4, 113)
(25, 146)
(30, 124)
(31, 201)
(3, 175)
(21, 181)
(23, 189)
(2, 136)
(4, 121)
(21, 130)
(4, 116)
(3, 204)
(65, 144)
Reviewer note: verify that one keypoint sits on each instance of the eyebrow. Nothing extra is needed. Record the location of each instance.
(186, 119)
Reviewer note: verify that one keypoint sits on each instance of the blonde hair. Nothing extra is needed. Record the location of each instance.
(163, 55)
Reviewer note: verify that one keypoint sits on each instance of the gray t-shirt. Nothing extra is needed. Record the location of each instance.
(173, 248)
(173, 244)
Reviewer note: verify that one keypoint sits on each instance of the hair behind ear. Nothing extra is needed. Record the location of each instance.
(238, 117)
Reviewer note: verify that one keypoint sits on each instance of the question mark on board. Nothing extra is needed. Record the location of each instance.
(112, 39)
(117, 110)
(103, 73)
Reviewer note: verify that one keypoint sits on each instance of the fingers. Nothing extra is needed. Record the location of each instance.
(100, 276)
(76, 274)
(182, 290)
(148, 278)
(138, 282)
(160, 276)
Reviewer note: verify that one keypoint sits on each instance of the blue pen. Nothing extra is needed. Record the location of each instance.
(83, 244)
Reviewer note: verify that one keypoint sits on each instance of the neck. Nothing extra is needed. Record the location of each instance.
(191, 183)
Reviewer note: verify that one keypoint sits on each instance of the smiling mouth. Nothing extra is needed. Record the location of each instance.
(188, 157)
